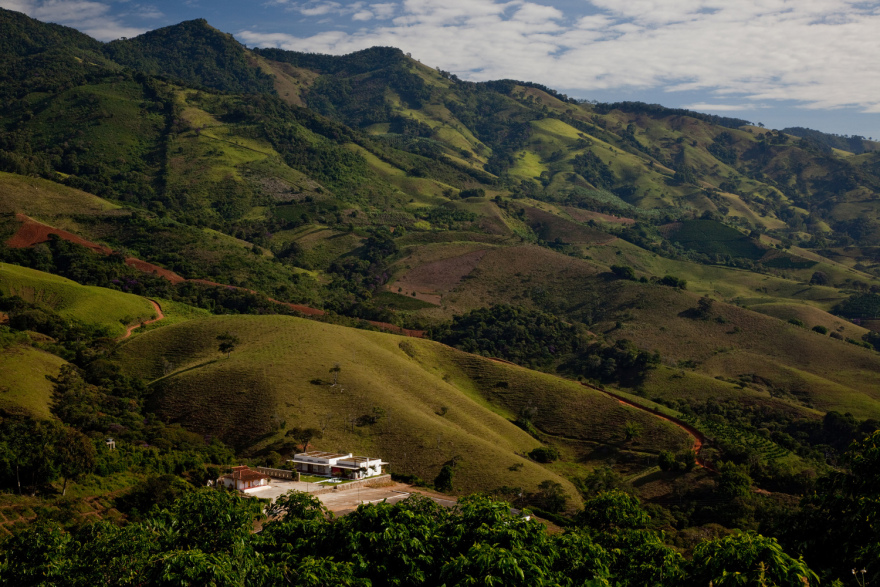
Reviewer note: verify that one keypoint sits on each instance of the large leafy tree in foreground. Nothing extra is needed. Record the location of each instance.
(206, 538)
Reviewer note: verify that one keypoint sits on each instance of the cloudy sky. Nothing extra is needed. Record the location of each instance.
(780, 62)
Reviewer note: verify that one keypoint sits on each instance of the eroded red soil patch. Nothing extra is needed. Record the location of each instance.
(32, 233)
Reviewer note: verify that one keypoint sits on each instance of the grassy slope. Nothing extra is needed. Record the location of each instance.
(23, 380)
(267, 380)
(41, 198)
(92, 305)
(794, 362)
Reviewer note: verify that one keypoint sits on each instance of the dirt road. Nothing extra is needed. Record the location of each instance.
(159, 316)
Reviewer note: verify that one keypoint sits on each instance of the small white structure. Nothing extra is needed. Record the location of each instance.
(243, 478)
(330, 464)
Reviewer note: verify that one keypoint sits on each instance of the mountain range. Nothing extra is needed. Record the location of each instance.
(699, 266)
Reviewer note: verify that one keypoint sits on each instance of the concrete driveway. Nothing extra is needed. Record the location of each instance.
(278, 487)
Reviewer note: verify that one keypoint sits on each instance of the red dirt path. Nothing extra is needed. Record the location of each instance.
(698, 437)
(159, 316)
(31, 233)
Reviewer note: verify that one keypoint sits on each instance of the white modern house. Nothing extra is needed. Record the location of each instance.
(329, 464)
(244, 478)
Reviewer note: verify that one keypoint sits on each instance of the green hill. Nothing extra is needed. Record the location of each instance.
(113, 310)
(431, 404)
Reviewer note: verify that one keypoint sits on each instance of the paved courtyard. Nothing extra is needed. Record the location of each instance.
(334, 500)
(344, 501)
(278, 487)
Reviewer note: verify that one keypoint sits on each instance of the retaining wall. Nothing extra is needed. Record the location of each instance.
(278, 473)
(378, 481)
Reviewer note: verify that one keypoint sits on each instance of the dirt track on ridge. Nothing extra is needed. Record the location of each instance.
(698, 437)
(159, 316)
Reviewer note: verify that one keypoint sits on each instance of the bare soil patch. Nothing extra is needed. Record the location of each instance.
(429, 281)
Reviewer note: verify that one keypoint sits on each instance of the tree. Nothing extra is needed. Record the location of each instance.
(748, 559)
(443, 481)
(612, 510)
(550, 496)
(631, 430)
(304, 436)
(840, 525)
(335, 369)
(544, 454)
(77, 456)
(228, 342)
(623, 272)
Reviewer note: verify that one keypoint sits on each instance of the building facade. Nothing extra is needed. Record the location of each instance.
(342, 465)
(243, 478)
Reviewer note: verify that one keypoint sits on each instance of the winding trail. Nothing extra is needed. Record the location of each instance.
(159, 316)
(699, 437)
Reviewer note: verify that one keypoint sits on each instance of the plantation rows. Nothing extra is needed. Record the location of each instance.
(726, 434)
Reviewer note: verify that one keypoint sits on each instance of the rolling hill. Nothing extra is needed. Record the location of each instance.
(376, 189)
(431, 404)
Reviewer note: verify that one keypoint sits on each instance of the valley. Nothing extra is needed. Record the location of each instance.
(218, 256)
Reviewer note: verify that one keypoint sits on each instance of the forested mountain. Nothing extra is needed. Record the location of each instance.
(694, 267)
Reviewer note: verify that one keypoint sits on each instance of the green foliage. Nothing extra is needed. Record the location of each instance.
(526, 337)
(544, 454)
(838, 529)
(677, 462)
(672, 281)
(748, 559)
(820, 329)
(443, 481)
(864, 306)
(612, 510)
(623, 272)
(205, 537)
(711, 237)
(227, 343)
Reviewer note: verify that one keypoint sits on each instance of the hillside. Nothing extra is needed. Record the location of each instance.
(431, 404)
(694, 264)
(109, 309)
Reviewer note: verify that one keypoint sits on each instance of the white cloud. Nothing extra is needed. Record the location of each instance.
(818, 52)
(92, 18)
(724, 107)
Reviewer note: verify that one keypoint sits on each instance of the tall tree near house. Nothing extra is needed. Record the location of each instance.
(304, 436)
(228, 342)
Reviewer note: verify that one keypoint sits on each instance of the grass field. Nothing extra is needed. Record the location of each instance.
(92, 305)
(43, 199)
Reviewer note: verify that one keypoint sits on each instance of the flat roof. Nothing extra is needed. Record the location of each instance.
(318, 454)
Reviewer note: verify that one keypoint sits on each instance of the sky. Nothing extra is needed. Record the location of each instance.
(783, 63)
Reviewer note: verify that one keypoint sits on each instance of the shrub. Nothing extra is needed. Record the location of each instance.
(623, 272)
(797, 322)
(672, 281)
(544, 454)
(820, 329)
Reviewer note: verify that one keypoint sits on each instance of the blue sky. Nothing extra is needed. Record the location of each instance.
(780, 62)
